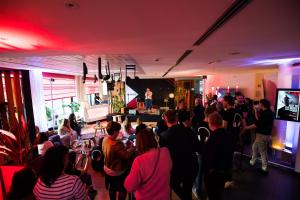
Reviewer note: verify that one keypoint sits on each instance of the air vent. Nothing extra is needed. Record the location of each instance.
(183, 56)
(236, 7)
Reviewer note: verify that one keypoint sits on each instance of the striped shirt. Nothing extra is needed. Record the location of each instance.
(65, 187)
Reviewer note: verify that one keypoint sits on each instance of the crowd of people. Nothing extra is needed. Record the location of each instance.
(188, 151)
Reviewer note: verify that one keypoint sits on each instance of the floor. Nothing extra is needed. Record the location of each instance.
(250, 184)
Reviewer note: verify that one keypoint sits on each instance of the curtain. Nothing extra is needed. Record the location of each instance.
(38, 99)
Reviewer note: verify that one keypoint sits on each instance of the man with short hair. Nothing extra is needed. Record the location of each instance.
(183, 145)
(263, 125)
(116, 161)
(217, 157)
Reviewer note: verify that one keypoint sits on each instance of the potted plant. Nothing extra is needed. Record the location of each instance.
(74, 106)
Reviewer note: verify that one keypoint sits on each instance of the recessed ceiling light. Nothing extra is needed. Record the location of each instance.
(157, 59)
(71, 5)
(234, 53)
(214, 61)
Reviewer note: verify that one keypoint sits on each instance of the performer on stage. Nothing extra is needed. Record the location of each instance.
(148, 99)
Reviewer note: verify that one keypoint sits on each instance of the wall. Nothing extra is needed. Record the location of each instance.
(246, 82)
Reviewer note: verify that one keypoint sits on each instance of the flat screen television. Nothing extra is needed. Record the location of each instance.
(287, 104)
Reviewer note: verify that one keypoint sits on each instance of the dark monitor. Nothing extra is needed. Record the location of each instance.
(287, 104)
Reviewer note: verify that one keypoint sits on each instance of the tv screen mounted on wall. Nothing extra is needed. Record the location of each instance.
(287, 104)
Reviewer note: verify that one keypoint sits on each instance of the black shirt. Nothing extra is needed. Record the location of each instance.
(229, 116)
(203, 131)
(183, 144)
(264, 124)
(241, 108)
(198, 115)
(218, 151)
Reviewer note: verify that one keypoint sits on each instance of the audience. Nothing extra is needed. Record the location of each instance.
(53, 177)
(198, 113)
(263, 125)
(183, 145)
(44, 144)
(191, 150)
(83, 175)
(22, 185)
(217, 157)
(140, 125)
(150, 173)
(116, 162)
(66, 133)
(161, 126)
(128, 129)
(74, 125)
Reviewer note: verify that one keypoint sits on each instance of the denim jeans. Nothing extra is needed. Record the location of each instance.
(260, 146)
(148, 103)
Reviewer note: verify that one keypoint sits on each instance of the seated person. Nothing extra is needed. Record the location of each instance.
(84, 176)
(128, 129)
(66, 133)
(74, 125)
(22, 185)
(44, 144)
(161, 126)
(53, 177)
(140, 125)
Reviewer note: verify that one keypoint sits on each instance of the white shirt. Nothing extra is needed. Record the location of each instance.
(148, 95)
(42, 148)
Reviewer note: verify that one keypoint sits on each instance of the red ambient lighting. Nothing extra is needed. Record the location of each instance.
(16, 36)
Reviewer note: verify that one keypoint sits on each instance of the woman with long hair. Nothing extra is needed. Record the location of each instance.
(151, 170)
(74, 125)
(53, 182)
(66, 133)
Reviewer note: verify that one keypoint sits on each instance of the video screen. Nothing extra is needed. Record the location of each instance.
(287, 104)
(224, 91)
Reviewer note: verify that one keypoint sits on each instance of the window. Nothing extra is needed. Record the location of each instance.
(59, 92)
(91, 90)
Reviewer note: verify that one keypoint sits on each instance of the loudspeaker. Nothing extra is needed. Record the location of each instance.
(110, 86)
(85, 72)
(99, 69)
(107, 76)
(204, 77)
(95, 78)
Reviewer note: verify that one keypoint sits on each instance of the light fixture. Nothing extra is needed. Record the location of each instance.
(171, 95)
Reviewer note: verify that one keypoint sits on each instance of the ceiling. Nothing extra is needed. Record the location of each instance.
(59, 35)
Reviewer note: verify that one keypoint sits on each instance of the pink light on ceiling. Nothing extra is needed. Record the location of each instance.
(17, 36)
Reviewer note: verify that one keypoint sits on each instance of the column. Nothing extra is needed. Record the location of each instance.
(38, 99)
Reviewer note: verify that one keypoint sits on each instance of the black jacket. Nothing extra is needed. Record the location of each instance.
(183, 144)
(218, 151)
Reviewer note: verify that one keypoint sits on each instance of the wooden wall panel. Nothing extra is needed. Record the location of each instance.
(18, 94)
(2, 100)
(10, 98)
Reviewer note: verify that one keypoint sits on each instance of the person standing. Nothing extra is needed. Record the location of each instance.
(217, 157)
(198, 113)
(263, 125)
(150, 173)
(148, 99)
(183, 145)
(116, 162)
